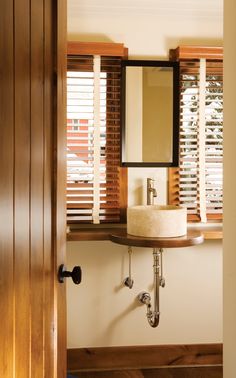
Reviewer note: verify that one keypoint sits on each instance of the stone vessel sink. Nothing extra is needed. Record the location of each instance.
(156, 221)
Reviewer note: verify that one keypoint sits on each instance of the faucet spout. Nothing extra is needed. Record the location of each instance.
(151, 191)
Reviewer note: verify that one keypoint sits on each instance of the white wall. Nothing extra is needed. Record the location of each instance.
(102, 312)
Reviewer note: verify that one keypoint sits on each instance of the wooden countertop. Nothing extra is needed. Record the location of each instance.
(103, 233)
(191, 238)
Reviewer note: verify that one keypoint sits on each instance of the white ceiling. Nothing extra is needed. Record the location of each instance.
(193, 8)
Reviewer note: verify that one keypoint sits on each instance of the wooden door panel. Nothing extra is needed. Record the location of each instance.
(6, 190)
(60, 138)
(32, 188)
(37, 188)
(21, 187)
(48, 225)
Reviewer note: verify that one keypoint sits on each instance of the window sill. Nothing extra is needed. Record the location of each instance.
(212, 231)
(94, 234)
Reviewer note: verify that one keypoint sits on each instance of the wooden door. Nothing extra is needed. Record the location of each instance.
(32, 188)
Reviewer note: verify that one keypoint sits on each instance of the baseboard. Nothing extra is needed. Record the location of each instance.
(144, 357)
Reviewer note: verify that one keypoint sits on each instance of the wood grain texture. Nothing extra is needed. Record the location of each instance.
(143, 357)
(37, 188)
(60, 62)
(93, 48)
(191, 238)
(173, 186)
(123, 194)
(6, 189)
(29, 341)
(215, 234)
(22, 252)
(103, 233)
(49, 296)
(196, 52)
(94, 234)
(180, 372)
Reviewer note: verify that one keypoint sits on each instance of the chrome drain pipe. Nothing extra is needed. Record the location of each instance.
(153, 316)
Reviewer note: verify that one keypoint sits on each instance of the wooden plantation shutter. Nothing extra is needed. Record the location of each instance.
(96, 185)
(112, 67)
(197, 183)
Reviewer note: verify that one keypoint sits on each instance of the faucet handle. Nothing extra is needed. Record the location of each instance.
(150, 182)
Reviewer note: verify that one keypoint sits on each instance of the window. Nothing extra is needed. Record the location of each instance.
(197, 183)
(96, 185)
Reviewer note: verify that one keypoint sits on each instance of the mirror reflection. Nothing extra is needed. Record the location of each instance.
(149, 118)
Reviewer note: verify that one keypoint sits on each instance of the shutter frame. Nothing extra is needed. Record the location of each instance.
(188, 55)
(114, 189)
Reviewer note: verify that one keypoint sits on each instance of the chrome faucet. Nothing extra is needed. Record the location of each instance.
(151, 191)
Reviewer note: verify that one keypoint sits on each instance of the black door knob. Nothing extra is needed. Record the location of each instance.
(76, 274)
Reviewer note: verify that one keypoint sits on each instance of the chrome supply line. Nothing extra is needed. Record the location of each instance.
(128, 280)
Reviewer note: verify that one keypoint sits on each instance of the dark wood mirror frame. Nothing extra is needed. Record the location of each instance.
(175, 129)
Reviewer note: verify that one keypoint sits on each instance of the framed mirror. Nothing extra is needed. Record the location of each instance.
(150, 113)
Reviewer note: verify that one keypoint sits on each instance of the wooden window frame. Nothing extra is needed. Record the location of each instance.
(109, 50)
(185, 53)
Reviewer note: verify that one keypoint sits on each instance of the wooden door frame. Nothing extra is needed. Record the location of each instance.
(60, 181)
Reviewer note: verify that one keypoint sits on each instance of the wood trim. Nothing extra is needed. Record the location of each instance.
(38, 141)
(49, 342)
(173, 186)
(103, 233)
(175, 372)
(141, 357)
(212, 232)
(192, 237)
(59, 207)
(123, 194)
(126, 53)
(216, 234)
(210, 217)
(196, 52)
(93, 48)
(94, 234)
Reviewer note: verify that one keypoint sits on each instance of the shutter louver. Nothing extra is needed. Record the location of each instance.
(189, 116)
(201, 155)
(214, 138)
(81, 131)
